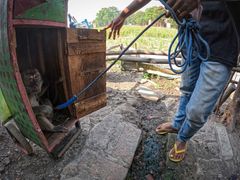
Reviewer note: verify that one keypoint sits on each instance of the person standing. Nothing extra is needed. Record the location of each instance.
(203, 81)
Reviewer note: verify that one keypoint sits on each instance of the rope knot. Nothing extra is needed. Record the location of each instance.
(193, 25)
(189, 43)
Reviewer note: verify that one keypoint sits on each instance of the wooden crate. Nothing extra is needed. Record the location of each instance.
(86, 51)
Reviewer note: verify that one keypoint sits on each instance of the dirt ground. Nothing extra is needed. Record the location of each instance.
(150, 156)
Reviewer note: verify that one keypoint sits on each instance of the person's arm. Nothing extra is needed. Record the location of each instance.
(133, 7)
(117, 23)
(184, 7)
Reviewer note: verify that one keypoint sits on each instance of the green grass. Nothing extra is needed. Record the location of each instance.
(155, 39)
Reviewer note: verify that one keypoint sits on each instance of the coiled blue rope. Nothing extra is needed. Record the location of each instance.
(188, 38)
(189, 43)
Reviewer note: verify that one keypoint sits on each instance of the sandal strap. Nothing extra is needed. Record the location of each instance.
(179, 151)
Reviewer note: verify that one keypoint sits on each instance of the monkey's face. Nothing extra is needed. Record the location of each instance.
(33, 81)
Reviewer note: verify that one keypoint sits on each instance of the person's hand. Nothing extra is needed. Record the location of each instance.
(115, 27)
(183, 8)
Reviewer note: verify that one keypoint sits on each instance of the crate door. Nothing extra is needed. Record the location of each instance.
(86, 51)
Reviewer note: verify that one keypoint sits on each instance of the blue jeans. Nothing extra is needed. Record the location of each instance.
(201, 86)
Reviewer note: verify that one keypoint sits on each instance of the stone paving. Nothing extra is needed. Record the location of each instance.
(112, 141)
(109, 149)
(212, 154)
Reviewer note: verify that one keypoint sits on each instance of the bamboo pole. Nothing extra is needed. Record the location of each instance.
(159, 60)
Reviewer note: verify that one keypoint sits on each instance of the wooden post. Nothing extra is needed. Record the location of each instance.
(235, 108)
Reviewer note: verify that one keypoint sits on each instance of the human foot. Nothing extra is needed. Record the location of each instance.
(166, 128)
(177, 153)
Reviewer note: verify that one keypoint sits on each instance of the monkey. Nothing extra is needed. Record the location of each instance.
(42, 109)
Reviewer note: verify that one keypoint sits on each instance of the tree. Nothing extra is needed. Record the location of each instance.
(144, 17)
(137, 18)
(153, 12)
(105, 16)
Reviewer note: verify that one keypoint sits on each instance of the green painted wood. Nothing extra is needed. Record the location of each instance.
(52, 10)
(4, 111)
(8, 83)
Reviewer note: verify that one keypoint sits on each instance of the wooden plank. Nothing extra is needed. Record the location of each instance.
(79, 81)
(62, 61)
(159, 60)
(86, 59)
(86, 48)
(90, 62)
(24, 22)
(137, 52)
(80, 35)
(90, 105)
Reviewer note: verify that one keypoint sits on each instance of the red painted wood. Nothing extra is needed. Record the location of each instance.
(24, 22)
(21, 6)
(19, 79)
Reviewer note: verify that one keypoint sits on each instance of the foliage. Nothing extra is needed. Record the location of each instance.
(155, 39)
(153, 12)
(146, 75)
(142, 18)
(147, 16)
(105, 16)
(137, 18)
(4, 111)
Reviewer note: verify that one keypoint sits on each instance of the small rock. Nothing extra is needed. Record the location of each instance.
(1, 168)
(85, 124)
(143, 81)
(6, 161)
(109, 90)
(148, 94)
(170, 102)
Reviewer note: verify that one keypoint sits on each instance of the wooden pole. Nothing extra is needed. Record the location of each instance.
(137, 52)
(160, 60)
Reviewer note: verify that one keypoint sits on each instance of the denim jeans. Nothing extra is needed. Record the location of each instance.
(201, 86)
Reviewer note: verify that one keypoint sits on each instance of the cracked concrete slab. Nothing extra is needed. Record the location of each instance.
(224, 142)
(108, 151)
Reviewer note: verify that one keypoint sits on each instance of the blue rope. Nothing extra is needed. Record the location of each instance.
(189, 43)
(188, 37)
(75, 97)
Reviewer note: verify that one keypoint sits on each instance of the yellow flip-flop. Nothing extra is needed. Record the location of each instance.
(182, 151)
(162, 133)
(165, 131)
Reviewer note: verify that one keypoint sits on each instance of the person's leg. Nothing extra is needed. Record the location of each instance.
(188, 82)
(212, 80)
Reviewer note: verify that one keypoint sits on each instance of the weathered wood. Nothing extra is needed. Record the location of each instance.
(160, 60)
(155, 67)
(169, 76)
(85, 48)
(226, 95)
(136, 52)
(90, 105)
(87, 35)
(40, 52)
(62, 61)
(114, 47)
(234, 116)
(86, 59)
(80, 79)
